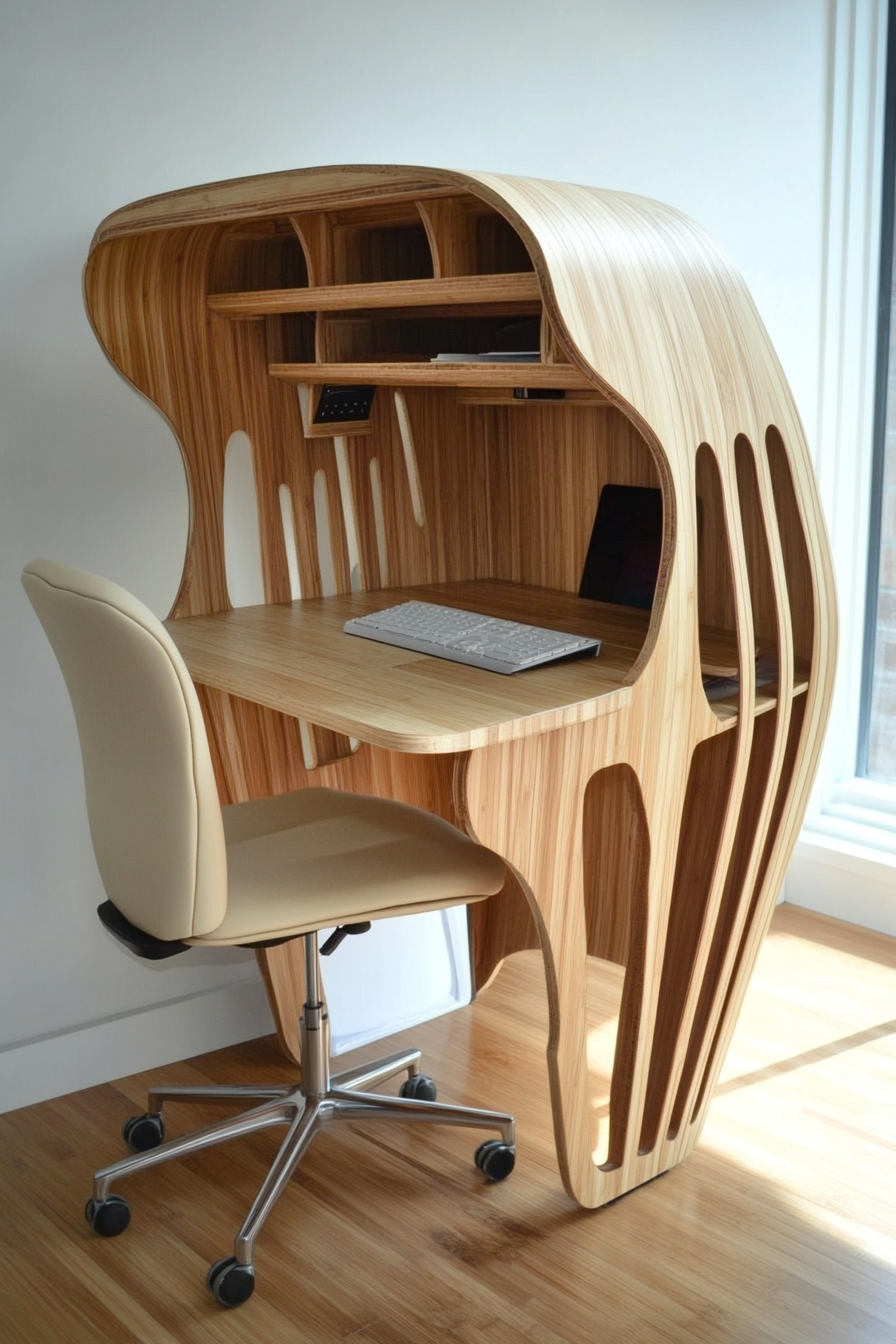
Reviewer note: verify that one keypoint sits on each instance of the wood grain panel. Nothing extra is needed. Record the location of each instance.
(547, 471)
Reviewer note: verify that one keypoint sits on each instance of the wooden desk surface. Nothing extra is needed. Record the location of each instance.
(296, 658)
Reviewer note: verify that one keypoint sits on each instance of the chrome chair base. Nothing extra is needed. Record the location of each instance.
(320, 1100)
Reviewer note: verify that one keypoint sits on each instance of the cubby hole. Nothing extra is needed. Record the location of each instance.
(264, 254)
(468, 237)
(291, 338)
(349, 338)
(387, 254)
(499, 248)
(380, 246)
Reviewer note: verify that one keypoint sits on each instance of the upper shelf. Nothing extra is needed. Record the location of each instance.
(471, 290)
(424, 372)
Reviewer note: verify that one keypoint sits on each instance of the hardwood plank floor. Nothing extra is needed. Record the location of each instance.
(778, 1230)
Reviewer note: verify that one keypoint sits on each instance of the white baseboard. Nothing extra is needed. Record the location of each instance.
(844, 881)
(43, 1067)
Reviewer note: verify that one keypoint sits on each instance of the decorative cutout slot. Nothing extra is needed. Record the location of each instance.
(715, 585)
(348, 513)
(616, 861)
(753, 799)
(763, 601)
(735, 988)
(410, 459)
(242, 537)
(797, 567)
(379, 520)
(328, 586)
(800, 601)
(762, 591)
(702, 822)
(287, 518)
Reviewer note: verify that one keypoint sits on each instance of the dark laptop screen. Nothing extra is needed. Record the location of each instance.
(624, 554)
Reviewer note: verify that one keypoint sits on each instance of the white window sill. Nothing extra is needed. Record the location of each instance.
(844, 863)
(861, 817)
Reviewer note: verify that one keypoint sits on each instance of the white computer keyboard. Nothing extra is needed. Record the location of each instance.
(467, 637)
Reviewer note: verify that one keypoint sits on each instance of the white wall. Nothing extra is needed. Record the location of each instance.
(715, 106)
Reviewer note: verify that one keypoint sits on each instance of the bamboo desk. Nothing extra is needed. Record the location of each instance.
(645, 829)
(297, 659)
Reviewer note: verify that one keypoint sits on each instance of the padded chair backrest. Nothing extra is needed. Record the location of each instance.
(155, 819)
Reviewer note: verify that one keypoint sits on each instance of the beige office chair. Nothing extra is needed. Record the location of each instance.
(180, 871)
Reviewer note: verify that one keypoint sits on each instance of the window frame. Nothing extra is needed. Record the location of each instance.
(886, 311)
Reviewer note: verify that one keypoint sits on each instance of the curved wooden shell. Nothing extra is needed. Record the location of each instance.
(653, 838)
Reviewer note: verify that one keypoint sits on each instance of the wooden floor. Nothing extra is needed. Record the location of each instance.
(781, 1227)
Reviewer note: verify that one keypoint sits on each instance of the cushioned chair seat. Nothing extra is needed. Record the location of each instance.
(309, 860)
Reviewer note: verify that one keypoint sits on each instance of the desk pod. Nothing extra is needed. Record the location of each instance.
(646, 825)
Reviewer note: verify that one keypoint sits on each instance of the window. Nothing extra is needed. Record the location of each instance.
(877, 729)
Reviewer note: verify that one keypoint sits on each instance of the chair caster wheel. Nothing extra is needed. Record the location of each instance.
(230, 1283)
(143, 1132)
(495, 1159)
(109, 1217)
(419, 1087)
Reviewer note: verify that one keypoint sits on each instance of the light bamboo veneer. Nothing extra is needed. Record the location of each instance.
(642, 826)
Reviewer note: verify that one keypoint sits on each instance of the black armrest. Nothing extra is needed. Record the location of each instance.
(140, 943)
